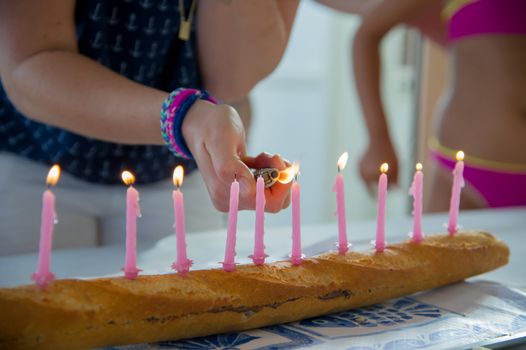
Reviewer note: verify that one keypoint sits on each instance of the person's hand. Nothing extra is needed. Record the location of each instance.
(216, 137)
(278, 195)
(378, 152)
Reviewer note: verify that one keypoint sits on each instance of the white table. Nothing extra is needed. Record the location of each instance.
(206, 249)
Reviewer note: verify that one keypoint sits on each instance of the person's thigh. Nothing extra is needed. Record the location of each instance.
(22, 183)
(157, 211)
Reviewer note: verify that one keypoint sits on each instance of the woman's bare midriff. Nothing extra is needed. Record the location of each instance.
(485, 112)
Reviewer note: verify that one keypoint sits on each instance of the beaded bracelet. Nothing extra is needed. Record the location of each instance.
(173, 112)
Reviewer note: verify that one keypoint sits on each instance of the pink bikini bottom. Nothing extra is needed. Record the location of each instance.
(499, 188)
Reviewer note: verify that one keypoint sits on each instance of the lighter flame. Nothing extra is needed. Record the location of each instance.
(178, 176)
(53, 175)
(460, 155)
(286, 176)
(342, 161)
(127, 178)
(384, 167)
(419, 166)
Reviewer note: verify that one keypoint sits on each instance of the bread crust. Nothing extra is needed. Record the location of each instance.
(115, 311)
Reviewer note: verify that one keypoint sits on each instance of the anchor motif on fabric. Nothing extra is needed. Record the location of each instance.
(166, 27)
(151, 72)
(91, 153)
(118, 151)
(104, 172)
(113, 19)
(148, 154)
(150, 29)
(163, 6)
(97, 42)
(136, 49)
(74, 149)
(28, 150)
(95, 14)
(153, 50)
(62, 137)
(146, 3)
(57, 157)
(140, 74)
(13, 140)
(132, 26)
(117, 47)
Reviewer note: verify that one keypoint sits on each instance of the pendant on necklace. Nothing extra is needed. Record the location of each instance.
(184, 30)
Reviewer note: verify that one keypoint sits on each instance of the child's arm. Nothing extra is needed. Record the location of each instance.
(49, 81)
(241, 42)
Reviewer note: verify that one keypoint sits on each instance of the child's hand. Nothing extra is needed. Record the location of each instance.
(378, 152)
(216, 137)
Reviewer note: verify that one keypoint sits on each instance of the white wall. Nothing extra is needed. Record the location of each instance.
(308, 111)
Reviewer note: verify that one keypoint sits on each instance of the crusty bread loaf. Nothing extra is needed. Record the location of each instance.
(112, 311)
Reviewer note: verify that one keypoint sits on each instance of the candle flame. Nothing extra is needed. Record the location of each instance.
(460, 155)
(419, 166)
(342, 161)
(53, 175)
(178, 176)
(286, 176)
(384, 167)
(127, 178)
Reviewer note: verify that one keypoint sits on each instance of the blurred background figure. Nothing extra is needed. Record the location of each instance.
(482, 110)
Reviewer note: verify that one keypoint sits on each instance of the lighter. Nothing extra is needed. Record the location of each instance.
(270, 175)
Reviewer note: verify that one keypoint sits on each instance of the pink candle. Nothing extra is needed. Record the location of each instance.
(458, 183)
(229, 263)
(43, 276)
(343, 245)
(259, 246)
(296, 255)
(416, 191)
(382, 196)
(182, 264)
(133, 211)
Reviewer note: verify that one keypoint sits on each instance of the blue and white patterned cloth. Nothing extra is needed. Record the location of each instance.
(460, 316)
(139, 40)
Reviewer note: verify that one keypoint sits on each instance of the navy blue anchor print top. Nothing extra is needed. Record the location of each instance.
(139, 40)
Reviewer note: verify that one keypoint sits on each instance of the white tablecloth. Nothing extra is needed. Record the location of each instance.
(459, 316)
(207, 248)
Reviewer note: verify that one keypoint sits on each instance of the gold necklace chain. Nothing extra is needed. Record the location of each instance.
(185, 23)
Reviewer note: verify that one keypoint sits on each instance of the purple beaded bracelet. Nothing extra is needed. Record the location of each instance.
(173, 112)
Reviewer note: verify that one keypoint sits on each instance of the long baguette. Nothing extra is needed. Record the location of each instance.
(116, 311)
